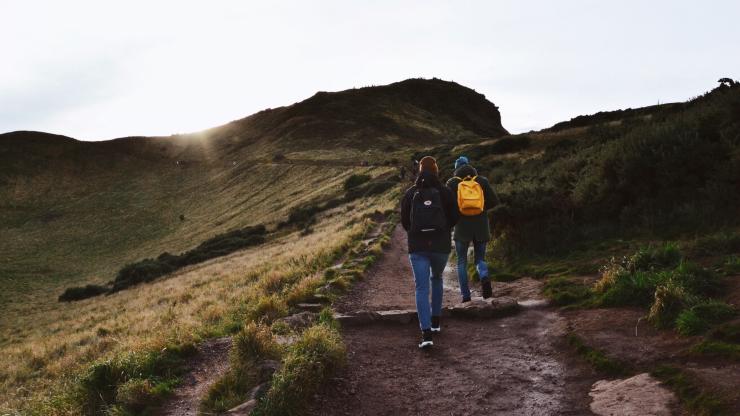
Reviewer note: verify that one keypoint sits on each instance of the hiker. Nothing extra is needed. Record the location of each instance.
(428, 214)
(474, 196)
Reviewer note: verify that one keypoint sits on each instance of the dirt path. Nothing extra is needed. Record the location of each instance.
(509, 366)
(389, 284)
(207, 366)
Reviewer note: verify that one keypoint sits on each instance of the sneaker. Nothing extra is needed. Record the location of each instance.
(435, 324)
(426, 340)
(486, 290)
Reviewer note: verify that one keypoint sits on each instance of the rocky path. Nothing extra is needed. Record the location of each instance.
(507, 366)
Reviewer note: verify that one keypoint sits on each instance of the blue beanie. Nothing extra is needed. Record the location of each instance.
(461, 161)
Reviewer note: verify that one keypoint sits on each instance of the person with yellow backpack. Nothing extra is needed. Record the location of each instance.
(474, 197)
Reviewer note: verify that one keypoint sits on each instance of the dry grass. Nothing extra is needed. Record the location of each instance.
(60, 339)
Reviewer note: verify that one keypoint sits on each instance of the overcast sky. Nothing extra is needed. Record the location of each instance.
(98, 70)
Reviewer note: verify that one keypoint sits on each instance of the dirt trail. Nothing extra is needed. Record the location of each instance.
(509, 366)
(389, 283)
(207, 366)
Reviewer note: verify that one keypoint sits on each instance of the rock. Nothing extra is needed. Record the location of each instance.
(358, 318)
(243, 409)
(484, 308)
(311, 307)
(638, 395)
(401, 316)
(300, 320)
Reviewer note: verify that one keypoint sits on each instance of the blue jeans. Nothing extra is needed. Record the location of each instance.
(461, 248)
(428, 267)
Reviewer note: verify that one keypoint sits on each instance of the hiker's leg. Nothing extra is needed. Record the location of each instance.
(439, 261)
(461, 249)
(421, 267)
(480, 259)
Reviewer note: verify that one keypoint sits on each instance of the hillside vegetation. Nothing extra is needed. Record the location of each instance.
(75, 213)
(317, 175)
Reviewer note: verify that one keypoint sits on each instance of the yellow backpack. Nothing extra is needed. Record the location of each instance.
(469, 196)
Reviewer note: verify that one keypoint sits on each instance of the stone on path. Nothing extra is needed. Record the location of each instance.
(476, 308)
(636, 396)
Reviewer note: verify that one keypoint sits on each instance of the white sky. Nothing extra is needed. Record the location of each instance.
(99, 69)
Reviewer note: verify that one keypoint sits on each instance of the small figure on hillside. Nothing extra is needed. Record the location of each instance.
(475, 196)
(428, 214)
(402, 173)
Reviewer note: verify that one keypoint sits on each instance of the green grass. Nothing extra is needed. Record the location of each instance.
(597, 359)
(563, 291)
(308, 364)
(717, 349)
(693, 396)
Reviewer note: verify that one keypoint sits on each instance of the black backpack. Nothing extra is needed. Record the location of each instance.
(427, 214)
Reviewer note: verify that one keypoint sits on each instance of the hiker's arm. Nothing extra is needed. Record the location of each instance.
(451, 211)
(490, 198)
(406, 211)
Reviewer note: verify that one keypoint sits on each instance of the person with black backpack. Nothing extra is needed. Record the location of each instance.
(428, 213)
(474, 196)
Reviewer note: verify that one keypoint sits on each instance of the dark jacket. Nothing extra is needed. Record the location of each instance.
(474, 227)
(438, 242)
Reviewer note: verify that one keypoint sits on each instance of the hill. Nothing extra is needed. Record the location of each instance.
(75, 213)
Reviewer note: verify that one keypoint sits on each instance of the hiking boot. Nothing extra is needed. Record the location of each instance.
(435, 324)
(485, 288)
(426, 339)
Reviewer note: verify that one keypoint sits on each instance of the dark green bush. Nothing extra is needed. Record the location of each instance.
(149, 269)
(82, 292)
(700, 317)
(355, 180)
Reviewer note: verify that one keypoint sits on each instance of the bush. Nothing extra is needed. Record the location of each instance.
(83, 292)
(355, 180)
(670, 300)
(310, 363)
(252, 345)
(135, 379)
(700, 317)
(696, 279)
(661, 257)
(150, 269)
(635, 289)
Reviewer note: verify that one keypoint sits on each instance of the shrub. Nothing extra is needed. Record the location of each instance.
(696, 279)
(150, 269)
(661, 257)
(252, 345)
(355, 180)
(635, 289)
(697, 319)
(670, 300)
(310, 362)
(78, 293)
(135, 394)
(268, 309)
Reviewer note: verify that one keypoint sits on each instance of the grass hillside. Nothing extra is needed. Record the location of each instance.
(74, 213)
(315, 174)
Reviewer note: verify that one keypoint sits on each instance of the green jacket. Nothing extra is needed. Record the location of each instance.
(475, 227)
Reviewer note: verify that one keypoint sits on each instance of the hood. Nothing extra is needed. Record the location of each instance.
(427, 180)
(465, 170)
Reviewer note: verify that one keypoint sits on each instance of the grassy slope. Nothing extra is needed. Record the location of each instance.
(74, 213)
